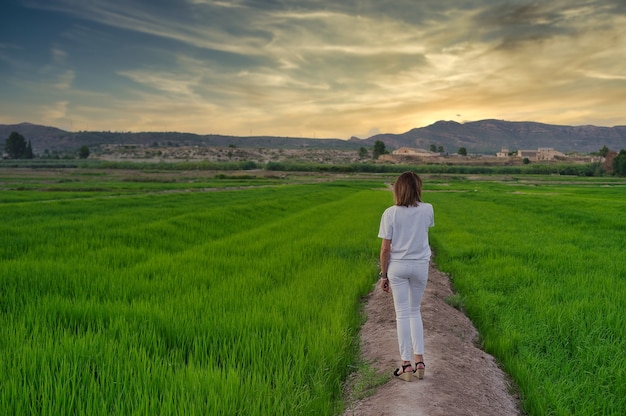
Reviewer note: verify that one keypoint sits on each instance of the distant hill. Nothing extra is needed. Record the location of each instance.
(489, 136)
(485, 136)
(55, 140)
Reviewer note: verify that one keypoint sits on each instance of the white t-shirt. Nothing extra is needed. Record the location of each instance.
(407, 228)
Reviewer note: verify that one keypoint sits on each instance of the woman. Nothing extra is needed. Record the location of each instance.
(404, 258)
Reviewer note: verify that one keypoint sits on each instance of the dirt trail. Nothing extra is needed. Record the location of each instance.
(460, 378)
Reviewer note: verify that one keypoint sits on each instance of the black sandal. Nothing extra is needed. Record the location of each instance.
(419, 372)
(404, 375)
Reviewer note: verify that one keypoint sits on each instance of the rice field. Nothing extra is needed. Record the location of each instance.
(540, 267)
(216, 302)
(200, 293)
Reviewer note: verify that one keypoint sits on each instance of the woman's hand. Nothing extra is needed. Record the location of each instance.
(384, 284)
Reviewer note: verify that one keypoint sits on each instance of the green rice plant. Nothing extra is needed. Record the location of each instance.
(542, 273)
(456, 301)
(366, 379)
(235, 302)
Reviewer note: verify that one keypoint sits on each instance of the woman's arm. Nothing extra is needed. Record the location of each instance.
(385, 253)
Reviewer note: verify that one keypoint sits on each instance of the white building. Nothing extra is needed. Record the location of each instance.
(542, 153)
(503, 153)
(408, 151)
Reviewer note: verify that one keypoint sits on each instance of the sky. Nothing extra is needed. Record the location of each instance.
(316, 69)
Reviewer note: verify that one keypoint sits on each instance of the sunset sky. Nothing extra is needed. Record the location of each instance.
(324, 69)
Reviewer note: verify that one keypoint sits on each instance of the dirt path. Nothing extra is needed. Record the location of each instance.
(460, 378)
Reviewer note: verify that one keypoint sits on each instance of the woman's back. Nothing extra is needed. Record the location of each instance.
(407, 228)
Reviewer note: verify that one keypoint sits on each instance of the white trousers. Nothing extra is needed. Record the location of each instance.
(407, 280)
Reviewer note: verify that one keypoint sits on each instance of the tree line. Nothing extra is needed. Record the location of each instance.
(16, 147)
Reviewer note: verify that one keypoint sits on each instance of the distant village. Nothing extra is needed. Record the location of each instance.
(542, 154)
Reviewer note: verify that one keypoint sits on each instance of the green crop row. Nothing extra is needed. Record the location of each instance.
(234, 302)
(540, 269)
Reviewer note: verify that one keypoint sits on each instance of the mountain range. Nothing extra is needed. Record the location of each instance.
(485, 136)
(490, 136)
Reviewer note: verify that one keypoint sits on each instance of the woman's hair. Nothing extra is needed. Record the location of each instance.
(407, 190)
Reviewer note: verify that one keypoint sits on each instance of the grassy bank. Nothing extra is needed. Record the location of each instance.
(478, 168)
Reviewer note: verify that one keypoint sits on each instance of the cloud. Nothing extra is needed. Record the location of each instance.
(58, 55)
(211, 27)
(64, 80)
(54, 112)
(334, 68)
